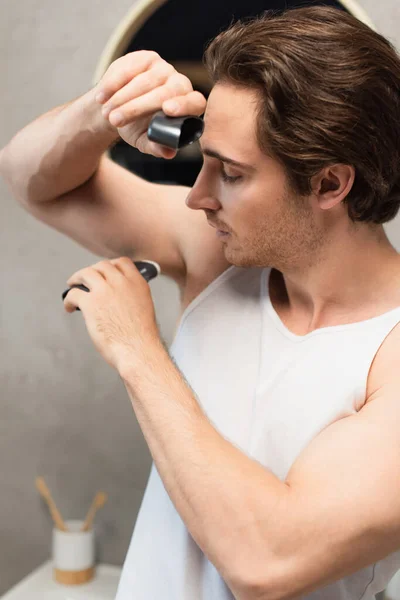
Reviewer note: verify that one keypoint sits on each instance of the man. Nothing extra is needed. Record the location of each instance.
(273, 425)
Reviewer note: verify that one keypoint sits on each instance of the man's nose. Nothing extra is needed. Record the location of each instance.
(201, 196)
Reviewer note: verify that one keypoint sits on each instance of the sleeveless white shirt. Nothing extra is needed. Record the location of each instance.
(269, 392)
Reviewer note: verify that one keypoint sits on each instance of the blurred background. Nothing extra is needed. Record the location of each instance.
(65, 413)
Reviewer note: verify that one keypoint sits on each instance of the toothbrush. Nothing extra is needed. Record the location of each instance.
(45, 492)
(99, 501)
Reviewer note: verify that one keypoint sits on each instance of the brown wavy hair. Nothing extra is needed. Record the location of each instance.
(330, 93)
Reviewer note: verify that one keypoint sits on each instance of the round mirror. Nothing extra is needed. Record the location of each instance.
(179, 31)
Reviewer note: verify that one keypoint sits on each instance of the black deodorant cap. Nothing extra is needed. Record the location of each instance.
(174, 132)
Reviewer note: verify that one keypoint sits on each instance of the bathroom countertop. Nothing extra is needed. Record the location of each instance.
(40, 585)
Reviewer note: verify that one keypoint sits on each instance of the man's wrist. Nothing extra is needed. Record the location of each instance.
(133, 362)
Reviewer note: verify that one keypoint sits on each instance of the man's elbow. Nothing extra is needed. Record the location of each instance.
(271, 584)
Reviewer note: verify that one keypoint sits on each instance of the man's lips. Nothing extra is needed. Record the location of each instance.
(215, 227)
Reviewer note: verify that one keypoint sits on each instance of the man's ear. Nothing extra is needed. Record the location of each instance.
(332, 184)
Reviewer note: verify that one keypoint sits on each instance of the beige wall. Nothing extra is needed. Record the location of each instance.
(64, 413)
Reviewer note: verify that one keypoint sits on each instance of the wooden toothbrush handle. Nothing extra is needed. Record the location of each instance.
(90, 516)
(57, 518)
(46, 495)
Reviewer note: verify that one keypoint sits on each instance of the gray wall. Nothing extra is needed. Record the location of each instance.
(65, 413)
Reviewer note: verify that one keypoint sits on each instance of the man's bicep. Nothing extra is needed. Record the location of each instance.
(345, 501)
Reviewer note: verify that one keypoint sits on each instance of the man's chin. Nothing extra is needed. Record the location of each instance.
(241, 259)
(235, 255)
(237, 259)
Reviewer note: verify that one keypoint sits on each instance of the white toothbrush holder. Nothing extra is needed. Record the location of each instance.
(73, 554)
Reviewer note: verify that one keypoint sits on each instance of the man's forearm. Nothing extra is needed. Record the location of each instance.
(228, 502)
(58, 151)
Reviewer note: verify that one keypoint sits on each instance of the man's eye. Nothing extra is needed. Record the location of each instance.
(229, 179)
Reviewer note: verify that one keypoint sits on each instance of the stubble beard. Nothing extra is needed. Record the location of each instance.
(291, 239)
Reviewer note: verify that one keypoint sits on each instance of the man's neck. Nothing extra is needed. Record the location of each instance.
(349, 282)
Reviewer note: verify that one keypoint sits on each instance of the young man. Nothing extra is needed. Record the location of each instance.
(273, 425)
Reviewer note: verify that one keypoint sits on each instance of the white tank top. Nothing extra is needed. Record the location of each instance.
(268, 391)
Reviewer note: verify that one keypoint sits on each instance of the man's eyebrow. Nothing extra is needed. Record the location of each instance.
(225, 159)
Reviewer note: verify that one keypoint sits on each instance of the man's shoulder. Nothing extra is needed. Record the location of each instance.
(385, 367)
